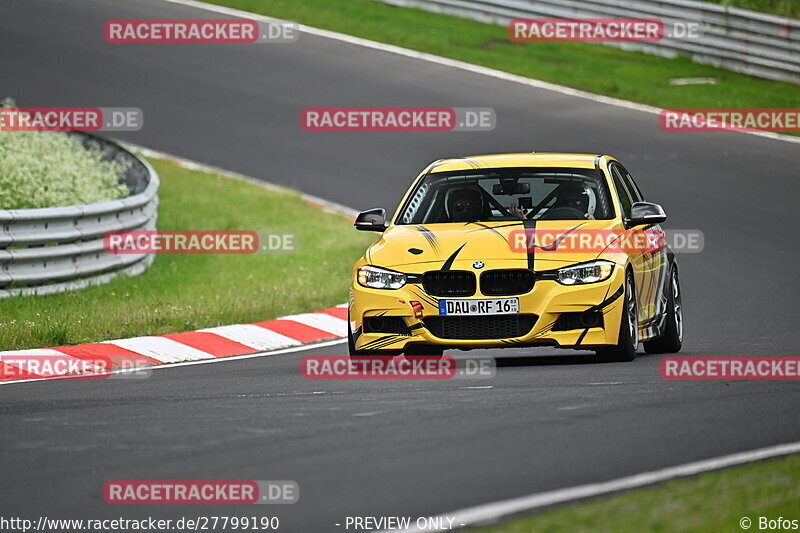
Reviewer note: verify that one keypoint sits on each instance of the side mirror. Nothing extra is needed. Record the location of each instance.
(372, 220)
(645, 213)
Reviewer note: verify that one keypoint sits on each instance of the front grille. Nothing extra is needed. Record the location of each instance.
(568, 321)
(449, 283)
(386, 324)
(506, 282)
(480, 327)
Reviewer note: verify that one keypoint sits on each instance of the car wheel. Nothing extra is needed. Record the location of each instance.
(628, 339)
(671, 339)
(351, 343)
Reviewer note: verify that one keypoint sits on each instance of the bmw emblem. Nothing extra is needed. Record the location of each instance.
(478, 265)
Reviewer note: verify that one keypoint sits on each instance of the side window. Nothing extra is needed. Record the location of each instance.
(414, 203)
(636, 194)
(622, 192)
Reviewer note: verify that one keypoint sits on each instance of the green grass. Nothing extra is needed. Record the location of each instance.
(599, 69)
(186, 292)
(783, 8)
(713, 502)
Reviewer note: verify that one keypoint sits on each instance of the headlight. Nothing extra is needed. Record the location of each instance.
(380, 278)
(585, 273)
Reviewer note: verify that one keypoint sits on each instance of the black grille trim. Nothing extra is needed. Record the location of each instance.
(506, 282)
(449, 283)
(480, 327)
(386, 324)
(570, 321)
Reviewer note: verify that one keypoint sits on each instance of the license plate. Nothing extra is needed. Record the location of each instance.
(487, 306)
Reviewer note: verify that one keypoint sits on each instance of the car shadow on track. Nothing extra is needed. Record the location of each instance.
(545, 360)
(525, 359)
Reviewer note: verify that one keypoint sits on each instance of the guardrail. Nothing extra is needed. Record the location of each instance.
(56, 249)
(745, 41)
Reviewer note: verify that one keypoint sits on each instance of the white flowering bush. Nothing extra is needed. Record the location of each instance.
(50, 169)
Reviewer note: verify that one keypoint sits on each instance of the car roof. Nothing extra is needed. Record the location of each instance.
(532, 159)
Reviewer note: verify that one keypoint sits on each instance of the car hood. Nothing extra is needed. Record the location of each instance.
(418, 248)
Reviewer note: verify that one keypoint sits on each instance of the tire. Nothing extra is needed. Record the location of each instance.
(671, 339)
(351, 343)
(628, 339)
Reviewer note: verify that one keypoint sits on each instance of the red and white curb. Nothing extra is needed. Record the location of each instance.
(105, 358)
(211, 343)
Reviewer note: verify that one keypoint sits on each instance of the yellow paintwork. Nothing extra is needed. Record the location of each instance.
(547, 299)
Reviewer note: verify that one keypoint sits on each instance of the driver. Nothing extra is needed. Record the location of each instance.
(465, 204)
(573, 196)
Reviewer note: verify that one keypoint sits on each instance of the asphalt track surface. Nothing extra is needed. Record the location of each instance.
(396, 448)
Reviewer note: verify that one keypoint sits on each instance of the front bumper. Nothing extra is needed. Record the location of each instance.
(547, 301)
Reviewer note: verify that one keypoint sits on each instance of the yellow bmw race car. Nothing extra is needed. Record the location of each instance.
(516, 250)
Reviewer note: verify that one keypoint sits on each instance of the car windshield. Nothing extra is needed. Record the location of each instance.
(508, 194)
